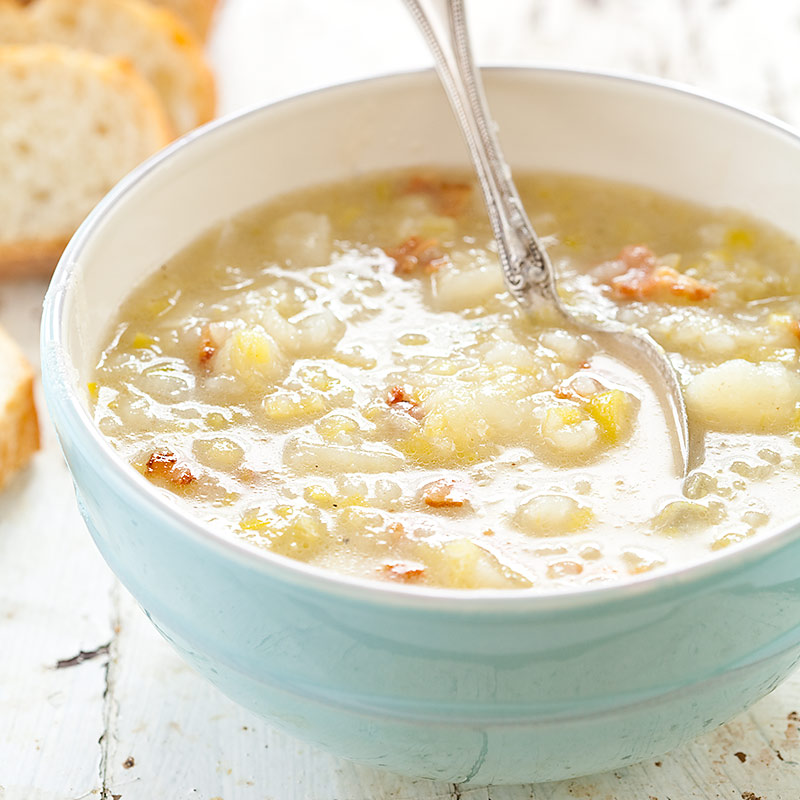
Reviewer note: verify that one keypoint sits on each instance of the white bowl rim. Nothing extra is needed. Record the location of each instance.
(55, 361)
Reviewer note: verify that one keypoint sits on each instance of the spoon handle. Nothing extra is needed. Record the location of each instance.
(527, 269)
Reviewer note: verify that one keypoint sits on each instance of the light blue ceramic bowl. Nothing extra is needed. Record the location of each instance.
(482, 686)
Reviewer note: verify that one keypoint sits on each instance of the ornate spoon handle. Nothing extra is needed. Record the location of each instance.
(527, 269)
(526, 266)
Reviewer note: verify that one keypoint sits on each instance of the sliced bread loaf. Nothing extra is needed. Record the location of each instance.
(19, 426)
(152, 39)
(71, 125)
(197, 14)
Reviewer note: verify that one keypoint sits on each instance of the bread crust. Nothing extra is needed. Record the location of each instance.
(19, 423)
(30, 258)
(196, 14)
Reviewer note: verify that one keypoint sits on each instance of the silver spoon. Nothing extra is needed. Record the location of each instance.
(527, 270)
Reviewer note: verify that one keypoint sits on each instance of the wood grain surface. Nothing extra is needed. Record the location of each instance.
(127, 719)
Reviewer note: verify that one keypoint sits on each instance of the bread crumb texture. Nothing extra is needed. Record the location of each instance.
(71, 125)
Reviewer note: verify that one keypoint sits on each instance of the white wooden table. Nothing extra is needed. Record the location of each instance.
(130, 720)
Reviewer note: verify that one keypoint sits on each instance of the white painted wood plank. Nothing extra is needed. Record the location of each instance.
(187, 740)
(54, 602)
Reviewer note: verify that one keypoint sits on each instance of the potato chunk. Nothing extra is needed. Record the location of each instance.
(461, 564)
(455, 289)
(681, 517)
(568, 431)
(303, 239)
(552, 515)
(738, 395)
(218, 452)
(304, 455)
(252, 356)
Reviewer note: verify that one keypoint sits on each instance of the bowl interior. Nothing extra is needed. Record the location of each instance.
(605, 126)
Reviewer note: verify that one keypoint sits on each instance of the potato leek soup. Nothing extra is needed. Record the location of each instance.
(341, 378)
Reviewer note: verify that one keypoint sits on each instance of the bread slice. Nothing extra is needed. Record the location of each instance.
(153, 39)
(19, 426)
(71, 125)
(196, 14)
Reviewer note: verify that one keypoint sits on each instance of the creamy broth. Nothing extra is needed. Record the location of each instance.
(341, 378)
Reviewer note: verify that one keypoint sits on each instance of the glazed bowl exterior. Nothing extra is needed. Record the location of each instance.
(485, 686)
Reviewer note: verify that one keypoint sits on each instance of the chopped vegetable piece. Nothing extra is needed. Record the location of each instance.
(641, 277)
(164, 464)
(207, 347)
(450, 198)
(612, 410)
(417, 254)
(444, 494)
(400, 399)
(403, 571)
(563, 569)
(142, 341)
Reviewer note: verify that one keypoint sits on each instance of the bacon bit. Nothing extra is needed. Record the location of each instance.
(164, 464)
(640, 286)
(417, 253)
(564, 392)
(395, 532)
(488, 532)
(207, 347)
(444, 494)
(639, 277)
(449, 197)
(406, 573)
(400, 399)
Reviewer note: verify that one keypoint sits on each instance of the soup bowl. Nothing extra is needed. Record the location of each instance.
(481, 686)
